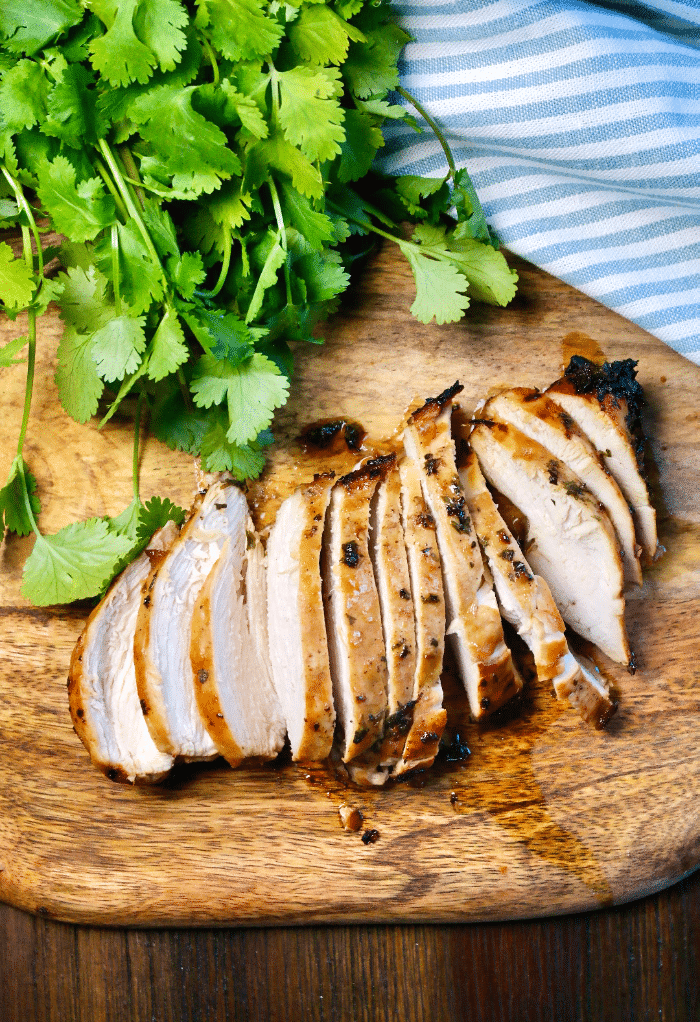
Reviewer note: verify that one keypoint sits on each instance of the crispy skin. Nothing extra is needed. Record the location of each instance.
(484, 660)
(356, 642)
(604, 419)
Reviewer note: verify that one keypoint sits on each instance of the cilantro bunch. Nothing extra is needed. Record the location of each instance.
(209, 166)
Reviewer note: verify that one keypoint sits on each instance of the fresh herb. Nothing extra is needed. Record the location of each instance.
(209, 165)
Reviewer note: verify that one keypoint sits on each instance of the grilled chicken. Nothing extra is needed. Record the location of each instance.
(353, 615)
(296, 622)
(164, 627)
(422, 720)
(229, 649)
(526, 602)
(484, 660)
(603, 420)
(388, 551)
(104, 702)
(570, 541)
(543, 419)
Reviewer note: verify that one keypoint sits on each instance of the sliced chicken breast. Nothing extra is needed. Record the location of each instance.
(296, 621)
(229, 650)
(527, 603)
(541, 418)
(603, 420)
(164, 627)
(353, 614)
(474, 627)
(104, 701)
(570, 540)
(422, 720)
(389, 558)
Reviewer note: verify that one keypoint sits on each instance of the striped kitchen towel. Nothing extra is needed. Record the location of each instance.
(579, 123)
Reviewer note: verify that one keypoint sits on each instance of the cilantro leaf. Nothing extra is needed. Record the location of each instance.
(319, 36)
(268, 277)
(252, 391)
(81, 211)
(310, 114)
(9, 352)
(161, 228)
(79, 384)
(490, 278)
(357, 152)
(82, 303)
(277, 153)
(240, 29)
(119, 55)
(71, 112)
(73, 564)
(177, 426)
(187, 273)
(156, 513)
(440, 287)
(117, 347)
(16, 280)
(468, 207)
(316, 227)
(141, 277)
(324, 274)
(159, 24)
(168, 348)
(243, 461)
(193, 150)
(13, 510)
(27, 27)
(371, 65)
(221, 333)
(23, 93)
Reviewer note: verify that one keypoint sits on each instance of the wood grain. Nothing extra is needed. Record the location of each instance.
(546, 817)
(636, 963)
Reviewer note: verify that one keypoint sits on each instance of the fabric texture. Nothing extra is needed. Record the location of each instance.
(579, 123)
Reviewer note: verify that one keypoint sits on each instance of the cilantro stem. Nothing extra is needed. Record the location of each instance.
(212, 58)
(283, 235)
(31, 360)
(226, 262)
(27, 210)
(433, 126)
(115, 270)
(128, 201)
(102, 171)
(130, 167)
(135, 456)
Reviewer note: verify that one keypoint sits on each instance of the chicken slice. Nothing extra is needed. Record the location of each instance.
(603, 420)
(527, 603)
(484, 660)
(543, 419)
(388, 552)
(296, 621)
(104, 702)
(570, 540)
(353, 615)
(164, 626)
(422, 720)
(229, 650)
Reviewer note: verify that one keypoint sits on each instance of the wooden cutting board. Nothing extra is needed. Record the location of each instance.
(545, 816)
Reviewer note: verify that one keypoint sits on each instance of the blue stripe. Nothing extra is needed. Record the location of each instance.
(623, 296)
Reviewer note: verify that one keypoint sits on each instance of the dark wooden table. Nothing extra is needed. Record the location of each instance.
(630, 964)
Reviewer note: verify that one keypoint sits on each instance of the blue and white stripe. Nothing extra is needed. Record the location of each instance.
(580, 125)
